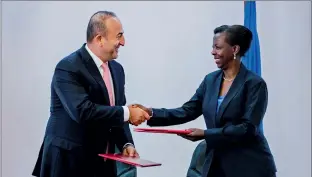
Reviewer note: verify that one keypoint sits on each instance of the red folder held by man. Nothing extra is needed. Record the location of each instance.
(158, 130)
(135, 161)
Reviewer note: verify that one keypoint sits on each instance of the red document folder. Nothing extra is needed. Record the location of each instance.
(157, 130)
(136, 161)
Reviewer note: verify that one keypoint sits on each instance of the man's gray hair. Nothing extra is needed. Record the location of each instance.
(97, 24)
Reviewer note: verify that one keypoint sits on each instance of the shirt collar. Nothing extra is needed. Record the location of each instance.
(96, 59)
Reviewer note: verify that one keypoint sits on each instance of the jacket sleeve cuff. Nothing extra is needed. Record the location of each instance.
(127, 144)
(213, 134)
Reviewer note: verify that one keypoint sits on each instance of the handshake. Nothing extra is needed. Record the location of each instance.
(139, 114)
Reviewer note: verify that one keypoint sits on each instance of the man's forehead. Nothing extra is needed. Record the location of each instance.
(114, 24)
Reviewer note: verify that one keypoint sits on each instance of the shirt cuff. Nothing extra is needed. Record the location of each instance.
(152, 113)
(127, 145)
(126, 113)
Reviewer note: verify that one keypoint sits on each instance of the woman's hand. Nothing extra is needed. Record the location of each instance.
(195, 135)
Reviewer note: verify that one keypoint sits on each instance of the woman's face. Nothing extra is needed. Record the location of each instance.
(223, 53)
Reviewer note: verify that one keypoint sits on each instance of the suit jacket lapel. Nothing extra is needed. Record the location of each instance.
(235, 87)
(114, 74)
(94, 71)
(215, 94)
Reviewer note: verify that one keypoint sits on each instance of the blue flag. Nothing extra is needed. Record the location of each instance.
(252, 59)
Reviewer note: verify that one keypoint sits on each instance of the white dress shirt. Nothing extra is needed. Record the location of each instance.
(99, 63)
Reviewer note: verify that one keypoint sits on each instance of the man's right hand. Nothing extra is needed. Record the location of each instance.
(148, 110)
(137, 115)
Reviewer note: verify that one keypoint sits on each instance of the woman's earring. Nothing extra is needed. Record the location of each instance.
(234, 56)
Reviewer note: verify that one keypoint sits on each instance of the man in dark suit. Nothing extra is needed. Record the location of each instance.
(233, 102)
(88, 116)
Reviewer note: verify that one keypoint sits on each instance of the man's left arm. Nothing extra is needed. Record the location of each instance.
(122, 135)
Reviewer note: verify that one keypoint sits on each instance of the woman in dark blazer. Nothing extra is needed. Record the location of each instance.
(233, 101)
